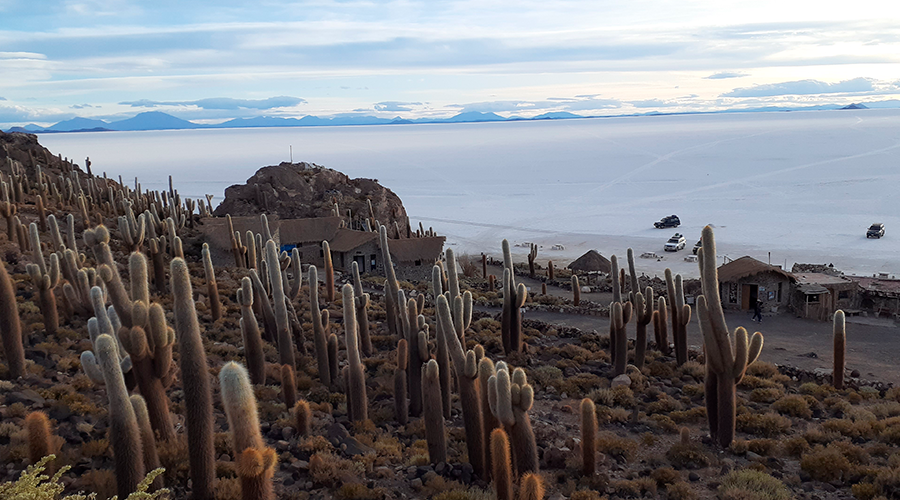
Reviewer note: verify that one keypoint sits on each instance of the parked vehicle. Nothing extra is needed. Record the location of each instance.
(697, 246)
(675, 243)
(875, 230)
(667, 221)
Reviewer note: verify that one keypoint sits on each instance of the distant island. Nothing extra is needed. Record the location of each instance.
(157, 120)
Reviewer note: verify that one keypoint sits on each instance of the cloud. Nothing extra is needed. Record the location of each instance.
(82, 106)
(2, 98)
(653, 103)
(395, 106)
(804, 87)
(222, 103)
(721, 75)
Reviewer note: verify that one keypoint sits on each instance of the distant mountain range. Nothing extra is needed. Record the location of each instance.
(157, 120)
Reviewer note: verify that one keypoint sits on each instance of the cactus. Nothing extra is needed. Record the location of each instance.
(264, 307)
(288, 386)
(151, 358)
(532, 254)
(157, 252)
(635, 287)
(643, 311)
(434, 415)
(148, 439)
(357, 375)
(618, 340)
(416, 334)
(588, 437)
(37, 427)
(401, 403)
(513, 310)
(510, 399)
(362, 311)
(466, 368)
(124, 434)
(727, 356)
(333, 359)
(320, 324)
(392, 309)
(660, 326)
(531, 487)
(212, 291)
(45, 280)
(329, 272)
(253, 346)
(840, 348)
(501, 468)
(680, 314)
(195, 377)
(489, 422)
(576, 291)
(255, 462)
(302, 417)
(285, 344)
(10, 327)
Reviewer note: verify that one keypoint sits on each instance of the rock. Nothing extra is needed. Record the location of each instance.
(25, 396)
(621, 381)
(555, 458)
(855, 374)
(416, 484)
(693, 476)
(753, 456)
(287, 432)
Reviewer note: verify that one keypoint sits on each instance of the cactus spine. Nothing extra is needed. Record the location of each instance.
(680, 315)
(125, 436)
(10, 327)
(643, 311)
(840, 348)
(255, 462)
(212, 291)
(434, 415)
(727, 356)
(319, 322)
(253, 346)
(501, 466)
(285, 344)
(466, 368)
(357, 375)
(401, 403)
(195, 377)
(362, 311)
(588, 437)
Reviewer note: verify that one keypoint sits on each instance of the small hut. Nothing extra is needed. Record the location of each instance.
(591, 261)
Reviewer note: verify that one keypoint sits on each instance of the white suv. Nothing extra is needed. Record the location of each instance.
(675, 243)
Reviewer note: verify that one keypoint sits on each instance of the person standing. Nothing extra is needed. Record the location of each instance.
(757, 311)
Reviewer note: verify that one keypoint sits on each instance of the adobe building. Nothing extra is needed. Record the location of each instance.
(745, 280)
(818, 295)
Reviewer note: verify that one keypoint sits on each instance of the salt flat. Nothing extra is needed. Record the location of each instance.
(785, 187)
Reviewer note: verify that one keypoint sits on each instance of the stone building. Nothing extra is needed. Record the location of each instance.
(745, 280)
(819, 295)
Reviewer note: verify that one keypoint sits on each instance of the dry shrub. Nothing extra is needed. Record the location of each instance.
(762, 447)
(664, 423)
(816, 390)
(751, 382)
(620, 448)
(680, 491)
(358, 491)
(664, 404)
(762, 369)
(666, 475)
(687, 456)
(749, 484)
(99, 481)
(864, 491)
(795, 446)
(888, 482)
(793, 405)
(585, 495)
(825, 464)
(329, 469)
(695, 415)
(472, 493)
(765, 425)
(228, 488)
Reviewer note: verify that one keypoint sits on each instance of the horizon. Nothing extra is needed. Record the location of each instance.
(210, 63)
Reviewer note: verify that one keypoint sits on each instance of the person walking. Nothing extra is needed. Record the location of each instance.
(757, 311)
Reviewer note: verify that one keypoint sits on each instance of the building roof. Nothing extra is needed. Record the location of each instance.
(426, 249)
(880, 286)
(591, 261)
(346, 240)
(811, 288)
(821, 279)
(748, 266)
(314, 230)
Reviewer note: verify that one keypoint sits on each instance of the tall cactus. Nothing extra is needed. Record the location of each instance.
(45, 280)
(212, 290)
(253, 346)
(618, 338)
(643, 311)
(434, 415)
(357, 375)
(255, 462)
(466, 368)
(401, 403)
(513, 309)
(510, 399)
(532, 254)
(195, 377)
(531, 487)
(660, 326)
(392, 309)
(588, 437)
(727, 356)
(501, 469)
(576, 291)
(320, 324)
(680, 314)
(362, 311)
(37, 428)
(11, 327)
(329, 272)
(148, 438)
(489, 422)
(415, 331)
(125, 436)
(839, 331)
(285, 343)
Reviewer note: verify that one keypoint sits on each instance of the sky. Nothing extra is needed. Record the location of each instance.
(209, 61)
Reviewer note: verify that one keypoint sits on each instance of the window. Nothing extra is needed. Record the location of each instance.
(418, 262)
(322, 253)
(812, 299)
(372, 262)
(843, 294)
(779, 291)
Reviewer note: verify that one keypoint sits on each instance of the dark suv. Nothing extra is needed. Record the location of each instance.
(875, 230)
(668, 221)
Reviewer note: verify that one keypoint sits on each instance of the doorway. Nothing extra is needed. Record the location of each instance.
(749, 296)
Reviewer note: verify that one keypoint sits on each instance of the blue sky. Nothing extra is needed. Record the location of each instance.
(209, 61)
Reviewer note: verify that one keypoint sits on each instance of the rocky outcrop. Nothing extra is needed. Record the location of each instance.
(24, 149)
(306, 190)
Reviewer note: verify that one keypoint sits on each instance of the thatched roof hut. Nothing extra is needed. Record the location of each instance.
(591, 261)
